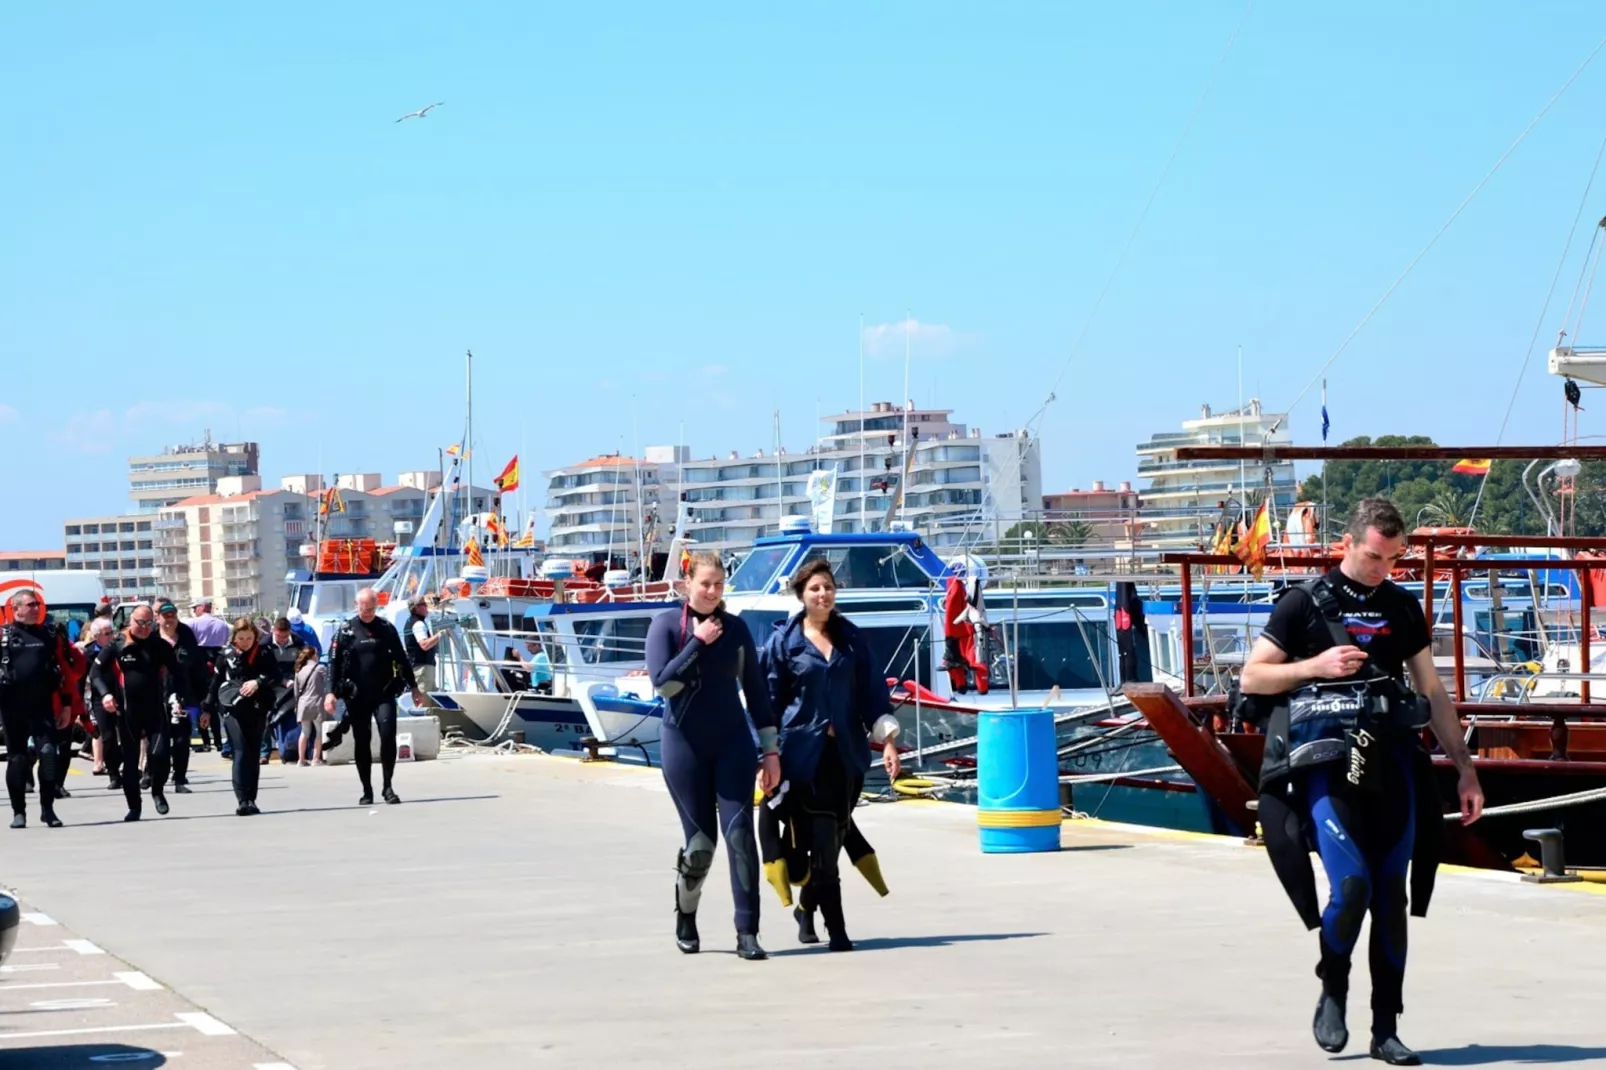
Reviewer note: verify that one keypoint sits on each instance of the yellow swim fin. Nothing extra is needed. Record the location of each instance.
(775, 873)
(870, 867)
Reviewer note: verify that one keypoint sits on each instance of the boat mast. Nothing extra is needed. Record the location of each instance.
(908, 328)
(468, 443)
(864, 523)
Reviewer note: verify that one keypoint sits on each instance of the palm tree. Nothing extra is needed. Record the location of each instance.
(1069, 533)
(1449, 509)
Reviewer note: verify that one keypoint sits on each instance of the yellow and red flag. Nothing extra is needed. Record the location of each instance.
(1472, 466)
(494, 528)
(509, 479)
(1252, 549)
(472, 548)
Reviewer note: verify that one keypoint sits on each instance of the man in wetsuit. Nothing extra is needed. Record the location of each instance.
(1362, 793)
(137, 678)
(368, 669)
(31, 674)
(194, 679)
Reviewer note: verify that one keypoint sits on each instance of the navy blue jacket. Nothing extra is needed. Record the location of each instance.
(847, 694)
(703, 684)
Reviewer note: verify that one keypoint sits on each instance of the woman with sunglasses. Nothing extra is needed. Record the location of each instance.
(244, 681)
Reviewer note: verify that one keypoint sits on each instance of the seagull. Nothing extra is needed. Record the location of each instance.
(421, 113)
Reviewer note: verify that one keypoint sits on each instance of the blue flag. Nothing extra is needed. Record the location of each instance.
(1325, 423)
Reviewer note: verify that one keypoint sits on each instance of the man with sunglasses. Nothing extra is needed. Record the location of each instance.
(137, 678)
(31, 674)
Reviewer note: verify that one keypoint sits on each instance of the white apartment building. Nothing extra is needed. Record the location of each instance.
(233, 547)
(122, 548)
(961, 484)
(180, 472)
(1184, 499)
(608, 506)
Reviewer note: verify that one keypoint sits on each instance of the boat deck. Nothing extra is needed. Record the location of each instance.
(515, 912)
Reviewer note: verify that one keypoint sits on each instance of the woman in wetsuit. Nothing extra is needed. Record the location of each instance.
(702, 662)
(243, 682)
(829, 697)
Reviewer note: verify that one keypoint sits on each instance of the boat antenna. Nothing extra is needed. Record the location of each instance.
(863, 489)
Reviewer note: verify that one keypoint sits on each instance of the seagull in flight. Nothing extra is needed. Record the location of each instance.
(421, 113)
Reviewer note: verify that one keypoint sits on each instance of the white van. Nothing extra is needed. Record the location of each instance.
(70, 597)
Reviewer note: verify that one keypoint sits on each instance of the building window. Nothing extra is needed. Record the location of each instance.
(73, 529)
(129, 526)
(143, 525)
(145, 544)
(146, 564)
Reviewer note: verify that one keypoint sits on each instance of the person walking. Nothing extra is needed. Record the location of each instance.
(244, 683)
(33, 671)
(213, 635)
(136, 678)
(285, 646)
(311, 686)
(194, 676)
(420, 640)
(1345, 767)
(702, 661)
(368, 669)
(95, 636)
(830, 701)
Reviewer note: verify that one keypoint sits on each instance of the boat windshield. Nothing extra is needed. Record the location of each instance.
(755, 573)
(862, 567)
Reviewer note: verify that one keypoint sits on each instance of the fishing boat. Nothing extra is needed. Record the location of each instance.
(1537, 736)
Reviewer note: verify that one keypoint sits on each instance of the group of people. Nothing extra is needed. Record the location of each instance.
(142, 692)
(1345, 775)
(814, 706)
(1341, 681)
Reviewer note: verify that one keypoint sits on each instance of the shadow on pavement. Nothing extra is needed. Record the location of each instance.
(78, 1055)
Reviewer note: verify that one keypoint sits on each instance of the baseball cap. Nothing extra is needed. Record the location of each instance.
(294, 616)
(166, 606)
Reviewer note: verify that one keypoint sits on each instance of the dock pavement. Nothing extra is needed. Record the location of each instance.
(516, 911)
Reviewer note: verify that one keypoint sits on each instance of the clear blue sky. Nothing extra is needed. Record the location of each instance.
(661, 218)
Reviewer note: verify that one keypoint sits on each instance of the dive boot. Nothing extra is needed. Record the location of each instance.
(747, 947)
(1331, 1032)
(805, 926)
(686, 932)
(1390, 1050)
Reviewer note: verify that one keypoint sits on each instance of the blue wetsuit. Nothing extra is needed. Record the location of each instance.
(1365, 842)
(707, 749)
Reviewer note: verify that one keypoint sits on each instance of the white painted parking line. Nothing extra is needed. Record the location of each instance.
(34, 966)
(70, 1004)
(138, 981)
(56, 984)
(96, 1029)
(38, 919)
(205, 1024)
(83, 947)
(272, 1066)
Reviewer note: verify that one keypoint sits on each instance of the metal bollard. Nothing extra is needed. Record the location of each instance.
(1551, 858)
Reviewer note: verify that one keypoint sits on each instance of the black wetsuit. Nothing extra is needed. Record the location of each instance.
(245, 719)
(1365, 836)
(368, 669)
(827, 708)
(30, 677)
(142, 676)
(193, 679)
(707, 749)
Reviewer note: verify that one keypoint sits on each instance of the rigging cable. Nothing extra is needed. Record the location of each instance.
(1440, 232)
(1131, 238)
(1539, 324)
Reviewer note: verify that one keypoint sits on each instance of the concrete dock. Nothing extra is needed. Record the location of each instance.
(516, 912)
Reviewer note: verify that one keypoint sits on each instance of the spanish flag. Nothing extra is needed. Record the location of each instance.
(494, 528)
(456, 450)
(1252, 550)
(508, 481)
(1472, 467)
(332, 502)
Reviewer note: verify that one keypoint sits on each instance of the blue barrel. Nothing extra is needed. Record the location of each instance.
(1017, 781)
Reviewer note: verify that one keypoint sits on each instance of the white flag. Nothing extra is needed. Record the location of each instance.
(821, 491)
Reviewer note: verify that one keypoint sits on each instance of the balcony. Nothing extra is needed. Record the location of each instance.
(239, 555)
(239, 572)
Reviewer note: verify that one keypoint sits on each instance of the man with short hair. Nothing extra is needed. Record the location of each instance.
(212, 634)
(420, 640)
(136, 677)
(368, 669)
(285, 646)
(195, 677)
(31, 675)
(1345, 767)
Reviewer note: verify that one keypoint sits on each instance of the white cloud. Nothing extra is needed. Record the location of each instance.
(933, 340)
(88, 432)
(8, 415)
